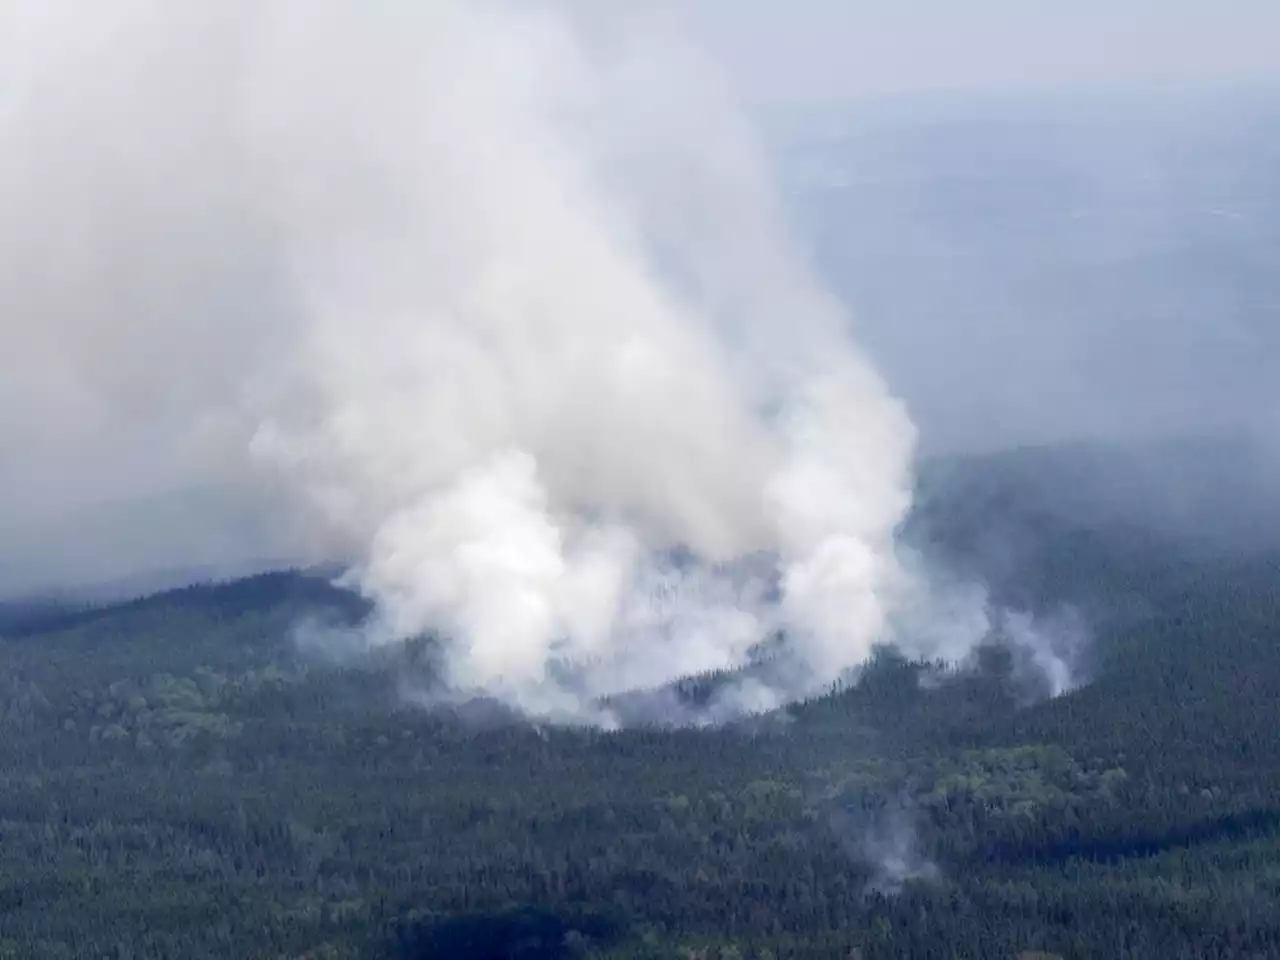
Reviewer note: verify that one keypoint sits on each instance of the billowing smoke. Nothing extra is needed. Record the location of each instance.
(494, 295)
(554, 334)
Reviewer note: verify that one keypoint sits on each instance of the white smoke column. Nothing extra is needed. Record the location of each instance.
(531, 324)
(528, 372)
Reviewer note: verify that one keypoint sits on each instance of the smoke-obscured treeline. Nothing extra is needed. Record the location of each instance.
(179, 781)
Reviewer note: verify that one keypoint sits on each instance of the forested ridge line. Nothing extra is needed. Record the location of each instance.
(179, 779)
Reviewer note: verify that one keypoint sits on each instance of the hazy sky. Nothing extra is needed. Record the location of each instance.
(806, 49)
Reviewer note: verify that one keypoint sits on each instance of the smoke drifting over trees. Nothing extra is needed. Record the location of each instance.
(494, 300)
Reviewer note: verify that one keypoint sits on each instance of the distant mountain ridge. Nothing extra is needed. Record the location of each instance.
(122, 549)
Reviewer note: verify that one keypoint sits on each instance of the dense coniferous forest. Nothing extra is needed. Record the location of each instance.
(178, 778)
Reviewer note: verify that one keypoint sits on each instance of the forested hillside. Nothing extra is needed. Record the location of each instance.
(178, 779)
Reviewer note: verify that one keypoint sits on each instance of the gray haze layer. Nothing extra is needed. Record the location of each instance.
(1043, 269)
(238, 238)
(837, 50)
(1023, 272)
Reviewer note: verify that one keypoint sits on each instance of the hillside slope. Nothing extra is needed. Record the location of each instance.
(178, 780)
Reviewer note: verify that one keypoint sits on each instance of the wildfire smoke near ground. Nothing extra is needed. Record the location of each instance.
(498, 297)
(548, 479)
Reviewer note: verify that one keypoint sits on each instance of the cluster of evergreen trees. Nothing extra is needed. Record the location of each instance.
(177, 781)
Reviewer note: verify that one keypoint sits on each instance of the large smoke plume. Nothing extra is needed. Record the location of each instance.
(495, 295)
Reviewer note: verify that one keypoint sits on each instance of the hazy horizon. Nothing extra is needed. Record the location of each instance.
(833, 51)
